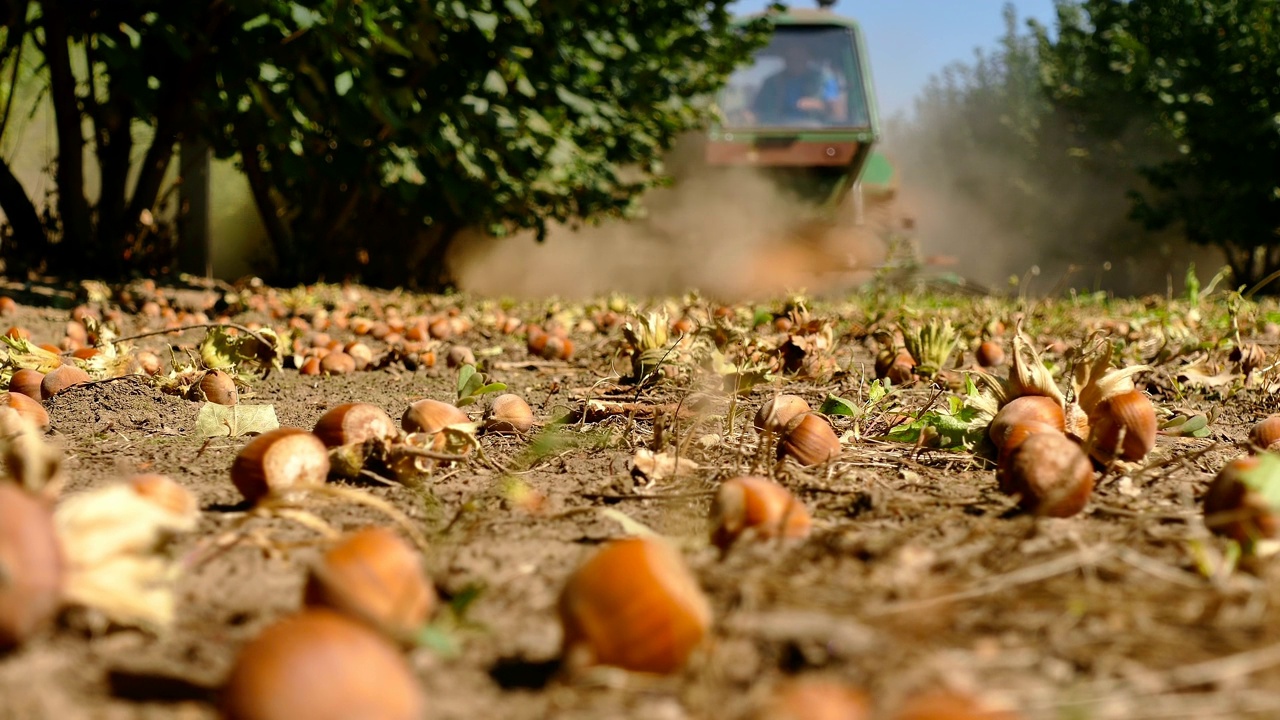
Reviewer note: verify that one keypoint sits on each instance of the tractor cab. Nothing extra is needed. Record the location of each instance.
(803, 111)
(808, 77)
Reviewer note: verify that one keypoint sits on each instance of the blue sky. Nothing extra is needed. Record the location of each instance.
(909, 40)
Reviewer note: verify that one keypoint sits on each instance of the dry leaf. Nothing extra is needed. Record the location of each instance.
(28, 459)
(216, 420)
(660, 466)
(113, 540)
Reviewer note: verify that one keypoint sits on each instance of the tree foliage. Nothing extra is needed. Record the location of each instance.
(1204, 75)
(371, 131)
(1001, 183)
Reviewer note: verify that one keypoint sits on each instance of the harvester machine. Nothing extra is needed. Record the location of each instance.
(803, 114)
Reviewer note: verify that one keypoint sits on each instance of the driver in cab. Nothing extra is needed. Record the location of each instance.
(799, 92)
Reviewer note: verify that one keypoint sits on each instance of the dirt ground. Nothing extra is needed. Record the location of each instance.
(919, 573)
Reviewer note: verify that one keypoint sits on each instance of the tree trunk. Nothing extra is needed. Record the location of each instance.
(115, 145)
(29, 235)
(428, 269)
(73, 208)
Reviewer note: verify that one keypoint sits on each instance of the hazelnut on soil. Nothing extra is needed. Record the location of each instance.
(809, 439)
(1122, 426)
(61, 378)
(354, 423)
(989, 354)
(1023, 410)
(758, 505)
(337, 362)
(1237, 509)
(220, 388)
(26, 382)
(321, 665)
(31, 565)
(375, 577)
(509, 413)
(280, 463)
(1262, 436)
(28, 408)
(165, 492)
(776, 412)
(459, 355)
(431, 416)
(805, 698)
(1051, 475)
(895, 365)
(633, 605)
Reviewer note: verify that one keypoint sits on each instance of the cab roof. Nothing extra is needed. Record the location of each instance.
(804, 16)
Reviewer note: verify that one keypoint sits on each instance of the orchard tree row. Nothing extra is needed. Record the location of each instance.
(1128, 125)
(376, 130)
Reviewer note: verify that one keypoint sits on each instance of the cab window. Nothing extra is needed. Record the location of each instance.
(804, 77)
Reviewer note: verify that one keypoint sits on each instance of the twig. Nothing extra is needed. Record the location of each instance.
(183, 328)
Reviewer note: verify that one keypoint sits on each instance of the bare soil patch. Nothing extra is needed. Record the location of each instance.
(919, 572)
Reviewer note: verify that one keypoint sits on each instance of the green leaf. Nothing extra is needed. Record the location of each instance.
(256, 22)
(575, 101)
(216, 420)
(305, 17)
(342, 84)
(486, 23)
(519, 10)
(524, 87)
(440, 641)
(839, 406)
(465, 373)
(222, 350)
(493, 83)
(135, 38)
(1264, 479)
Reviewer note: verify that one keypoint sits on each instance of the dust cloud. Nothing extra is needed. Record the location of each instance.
(722, 232)
(1043, 227)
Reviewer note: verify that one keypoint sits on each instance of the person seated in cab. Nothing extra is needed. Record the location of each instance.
(801, 92)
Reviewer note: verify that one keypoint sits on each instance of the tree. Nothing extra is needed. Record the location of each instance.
(118, 68)
(371, 132)
(1203, 75)
(378, 130)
